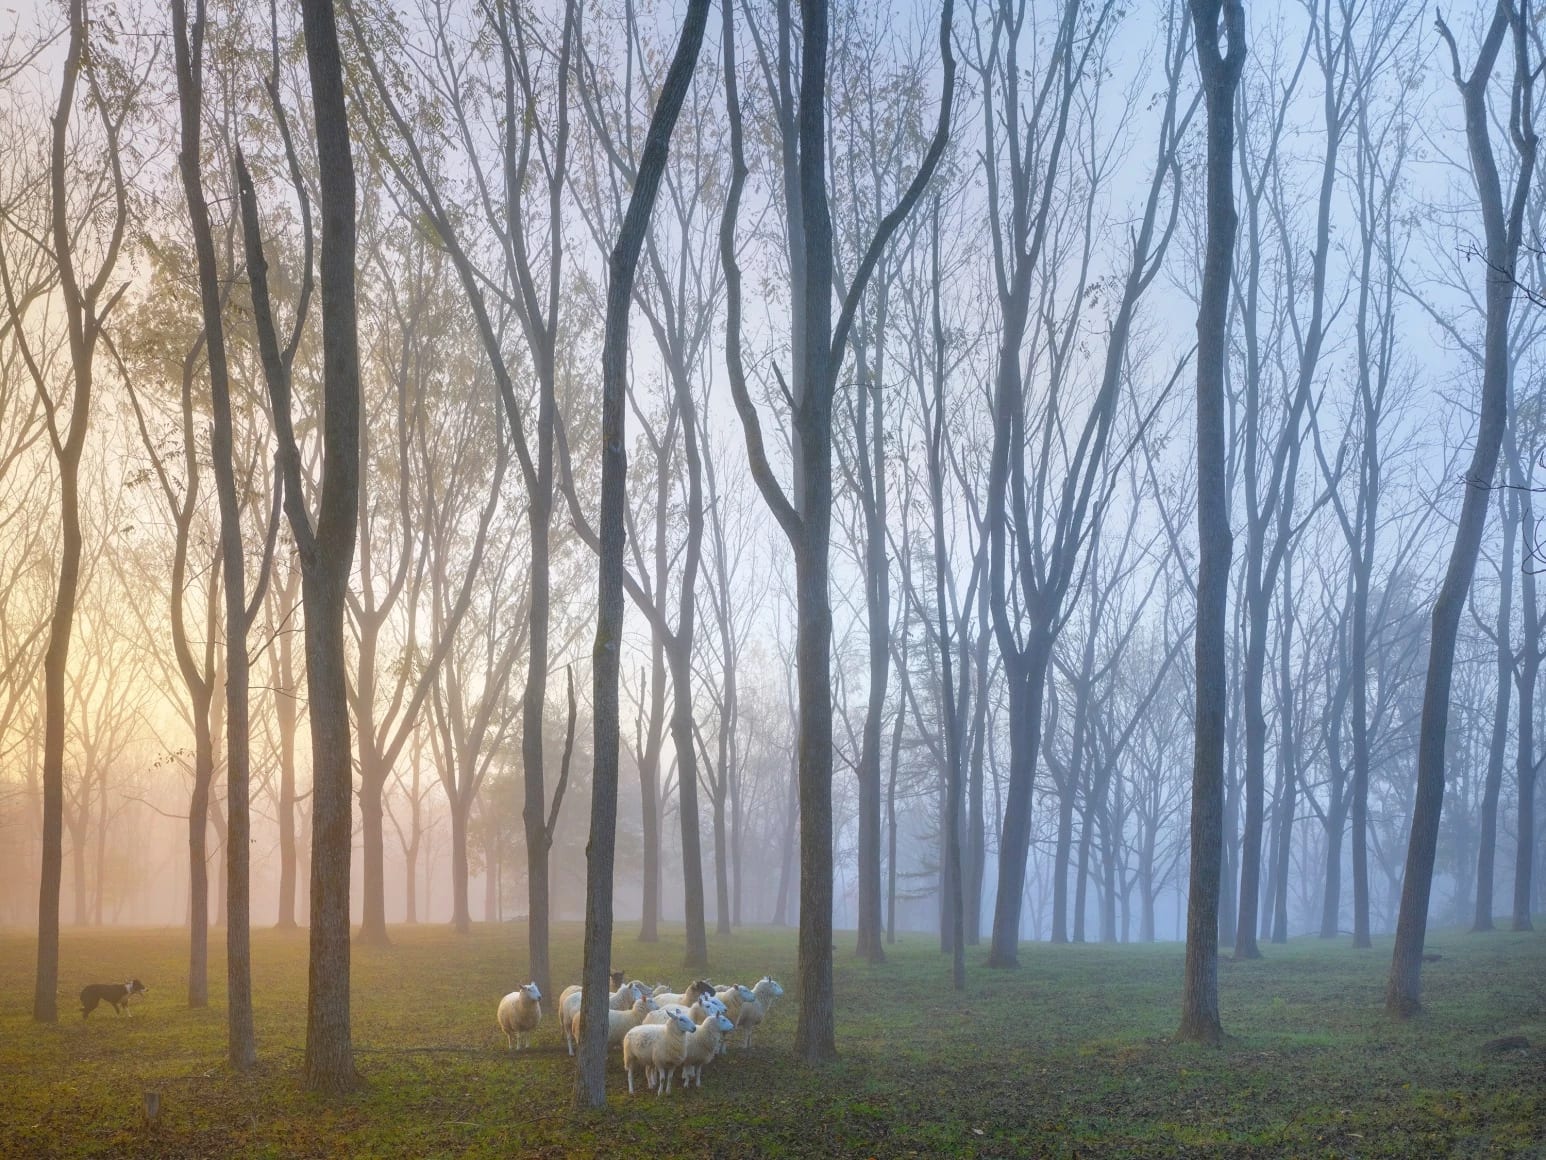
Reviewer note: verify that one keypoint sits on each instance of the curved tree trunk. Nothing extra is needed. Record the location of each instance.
(1403, 991)
(241, 1049)
(83, 318)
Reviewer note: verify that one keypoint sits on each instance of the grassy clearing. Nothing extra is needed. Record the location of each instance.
(1069, 1056)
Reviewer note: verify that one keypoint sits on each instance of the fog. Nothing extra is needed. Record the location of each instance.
(1011, 446)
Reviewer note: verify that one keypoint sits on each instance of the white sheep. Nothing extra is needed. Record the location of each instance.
(756, 1009)
(703, 1045)
(619, 1023)
(659, 1048)
(569, 1005)
(734, 997)
(518, 1015)
(705, 1006)
(684, 998)
(624, 997)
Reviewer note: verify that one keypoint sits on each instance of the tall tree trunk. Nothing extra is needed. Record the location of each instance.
(590, 1079)
(241, 1048)
(898, 723)
(99, 892)
(1288, 762)
(680, 654)
(870, 460)
(373, 775)
(976, 826)
(786, 850)
(326, 550)
(721, 867)
(1529, 669)
(1487, 847)
(1403, 991)
(1026, 678)
(329, 1064)
(1062, 857)
(83, 319)
(78, 878)
(805, 516)
(198, 852)
(649, 792)
(286, 719)
(1220, 73)
(951, 699)
(461, 910)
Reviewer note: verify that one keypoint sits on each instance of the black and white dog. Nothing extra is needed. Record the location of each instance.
(118, 994)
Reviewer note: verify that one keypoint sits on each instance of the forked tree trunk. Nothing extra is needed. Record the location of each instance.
(326, 549)
(590, 1079)
(241, 1049)
(83, 318)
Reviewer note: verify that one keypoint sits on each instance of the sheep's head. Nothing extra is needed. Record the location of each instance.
(643, 1005)
(531, 991)
(767, 985)
(721, 1021)
(638, 991)
(713, 1004)
(680, 1019)
(745, 992)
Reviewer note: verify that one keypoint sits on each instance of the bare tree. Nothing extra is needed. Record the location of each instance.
(590, 1079)
(188, 48)
(1043, 516)
(1503, 226)
(517, 227)
(86, 299)
(805, 518)
(325, 545)
(1270, 459)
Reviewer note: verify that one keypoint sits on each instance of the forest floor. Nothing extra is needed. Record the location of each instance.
(1069, 1056)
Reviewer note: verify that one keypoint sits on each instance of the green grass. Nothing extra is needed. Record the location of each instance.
(1069, 1056)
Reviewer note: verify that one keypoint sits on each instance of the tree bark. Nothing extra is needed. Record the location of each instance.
(286, 718)
(188, 45)
(327, 549)
(1403, 990)
(1525, 676)
(590, 1079)
(1487, 846)
(1220, 72)
(85, 312)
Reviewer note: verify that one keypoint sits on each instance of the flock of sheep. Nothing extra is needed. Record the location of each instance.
(659, 1030)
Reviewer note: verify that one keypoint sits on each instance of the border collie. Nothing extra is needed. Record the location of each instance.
(118, 994)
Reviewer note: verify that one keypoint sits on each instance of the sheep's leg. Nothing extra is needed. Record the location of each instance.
(630, 1079)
